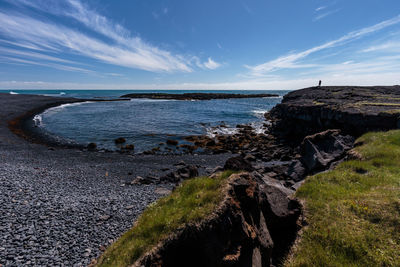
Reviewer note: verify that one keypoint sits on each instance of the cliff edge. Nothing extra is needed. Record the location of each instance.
(354, 110)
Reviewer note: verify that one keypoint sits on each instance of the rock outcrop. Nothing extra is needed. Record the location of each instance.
(253, 226)
(354, 110)
(321, 149)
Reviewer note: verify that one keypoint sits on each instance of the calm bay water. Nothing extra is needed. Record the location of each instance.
(144, 122)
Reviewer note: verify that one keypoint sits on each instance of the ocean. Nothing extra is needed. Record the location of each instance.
(146, 123)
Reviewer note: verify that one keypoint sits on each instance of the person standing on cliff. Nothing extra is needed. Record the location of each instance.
(319, 84)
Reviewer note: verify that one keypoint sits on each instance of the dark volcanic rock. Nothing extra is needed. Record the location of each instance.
(238, 231)
(282, 213)
(354, 110)
(284, 170)
(186, 172)
(141, 180)
(196, 96)
(129, 147)
(172, 142)
(92, 146)
(321, 149)
(238, 164)
(120, 140)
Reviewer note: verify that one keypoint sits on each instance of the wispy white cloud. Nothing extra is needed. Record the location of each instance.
(292, 60)
(392, 46)
(34, 55)
(211, 64)
(120, 49)
(323, 15)
(19, 61)
(320, 8)
(22, 45)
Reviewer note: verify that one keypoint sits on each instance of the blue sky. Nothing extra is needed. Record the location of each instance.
(191, 44)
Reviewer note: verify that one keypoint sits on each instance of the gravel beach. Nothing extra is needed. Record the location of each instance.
(63, 206)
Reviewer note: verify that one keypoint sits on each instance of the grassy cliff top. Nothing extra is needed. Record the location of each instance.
(353, 212)
(191, 202)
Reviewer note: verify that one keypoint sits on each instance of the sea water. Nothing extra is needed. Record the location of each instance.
(146, 122)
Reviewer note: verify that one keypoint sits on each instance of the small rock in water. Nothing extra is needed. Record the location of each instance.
(120, 140)
(129, 147)
(92, 146)
(172, 142)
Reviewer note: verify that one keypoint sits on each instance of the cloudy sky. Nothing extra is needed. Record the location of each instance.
(191, 44)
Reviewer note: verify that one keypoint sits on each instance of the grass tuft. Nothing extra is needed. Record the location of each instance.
(354, 211)
(191, 202)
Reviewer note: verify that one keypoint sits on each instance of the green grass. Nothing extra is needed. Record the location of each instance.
(354, 211)
(379, 104)
(191, 202)
(392, 111)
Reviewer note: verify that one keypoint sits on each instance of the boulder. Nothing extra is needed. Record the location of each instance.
(186, 172)
(141, 180)
(92, 146)
(238, 163)
(322, 149)
(129, 147)
(119, 140)
(284, 170)
(172, 142)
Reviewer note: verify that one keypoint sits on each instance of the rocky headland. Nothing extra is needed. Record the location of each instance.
(353, 110)
(311, 131)
(196, 96)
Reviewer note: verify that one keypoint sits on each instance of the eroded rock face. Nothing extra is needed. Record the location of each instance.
(354, 110)
(321, 149)
(238, 233)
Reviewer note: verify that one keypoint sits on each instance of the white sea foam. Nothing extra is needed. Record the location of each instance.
(277, 97)
(220, 130)
(62, 93)
(38, 119)
(260, 113)
(258, 127)
(13, 93)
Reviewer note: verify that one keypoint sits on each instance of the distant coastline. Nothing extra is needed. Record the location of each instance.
(196, 96)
